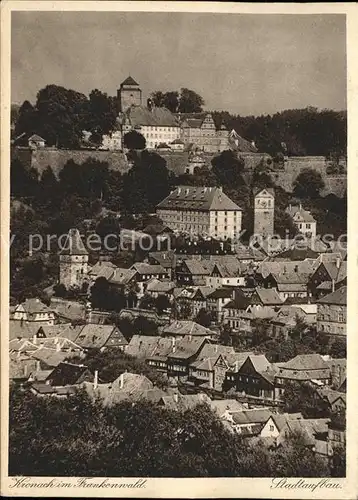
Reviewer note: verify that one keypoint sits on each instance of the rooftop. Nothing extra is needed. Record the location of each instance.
(198, 198)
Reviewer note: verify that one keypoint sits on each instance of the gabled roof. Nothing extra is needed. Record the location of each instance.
(166, 259)
(33, 306)
(197, 267)
(35, 137)
(49, 357)
(144, 268)
(182, 402)
(268, 296)
(73, 244)
(22, 329)
(241, 144)
(339, 297)
(102, 269)
(184, 327)
(146, 346)
(159, 286)
(122, 276)
(93, 336)
(306, 362)
(129, 81)
(254, 416)
(67, 374)
(187, 347)
(198, 198)
(299, 214)
(220, 406)
(220, 293)
(239, 302)
(141, 116)
(264, 192)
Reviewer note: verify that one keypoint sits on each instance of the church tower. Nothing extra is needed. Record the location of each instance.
(73, 260)
(264, 208)
(128, 94)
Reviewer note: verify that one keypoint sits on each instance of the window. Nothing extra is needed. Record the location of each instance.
(272, 428)
(308, 226)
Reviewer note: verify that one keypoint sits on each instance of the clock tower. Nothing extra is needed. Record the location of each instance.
(264, 208)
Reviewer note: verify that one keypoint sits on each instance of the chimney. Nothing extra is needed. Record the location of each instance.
(216, 348)
(38, 366)
(58, 347)
(300, 206)
(333, 286)
(34, 339)
(95, 380)
(296, 269)
(176, 397)
(121, 381)
(338, 262)
(25, 370)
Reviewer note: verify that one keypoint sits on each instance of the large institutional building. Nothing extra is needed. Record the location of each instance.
(161, 127)
(201, 211)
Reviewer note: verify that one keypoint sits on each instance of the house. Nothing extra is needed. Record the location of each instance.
(68, 310)
(49, 357)
(235, 363)
(233, 309)
(157, 124)
(336, 400)
(180, 329)
(166, 259)
(256, 377)
(192, 272)
(224, 407)
(183, 402)
(248, 423)
(199, 131)
(157, 287)
(303, 220)
(201, 211)
(149, 346)
(287, 318)
(112, 141)
(328, 277)
(332, 313)
(66, 373)
(177, 145)
(20, 367)
(22, 329)
(94, 336)
(267, 267)
(123, 279)
(36, 142)
(302, 368)
(146, 272)
(60, 330)
(33, 310)
(228, 274)
(216, 301)
(296, 253)
(128, 386)
(102, 269)
(210, 367)
(186, 350)
(277, 424)
(288, 283)
(195, 298)
(266, 297)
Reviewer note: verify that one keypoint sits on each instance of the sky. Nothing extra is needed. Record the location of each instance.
(248, 64)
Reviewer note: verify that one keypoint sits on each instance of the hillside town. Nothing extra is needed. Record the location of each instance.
(209, 289)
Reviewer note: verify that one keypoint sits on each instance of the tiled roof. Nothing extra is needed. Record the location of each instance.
(49, 357)
(129, 81)
(289, 268)
(22, 329)
(60, 330)
(144, 268)
(166, 259)
(331, 395)
(147, 346)
(239, 302)
(122, 276)
(306, 362)
(220, 293)
(254, 416)
(182, 402)
(159, 286)
(196, 266)
(68, 309)
(296, 254)
(220, 406)
(36, 137)
(156, 117)
(33, 306)
(67, 374)
(187, 347)
(198, 198)
(339, 297)
(297, 212)
(73, 244)
(184, 327)
(102, 269)
(268, 296)
(93, 336)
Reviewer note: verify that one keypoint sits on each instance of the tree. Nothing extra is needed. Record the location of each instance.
(190, 101)
(308, 184)
(261, 177)
(100, 293)
(157, 98)
(225, 335)
(147, 302)
(171, 101)
(283, 223)
(228, 168)
(26, 122)
(338, 349)
(339, 462)
(162, 303)
(203, 318)
(303, 398)
(99, 115)
(134, 140)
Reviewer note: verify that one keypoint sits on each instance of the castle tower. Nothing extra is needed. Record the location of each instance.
(128, 94)
(73, 260)
(264, 207)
